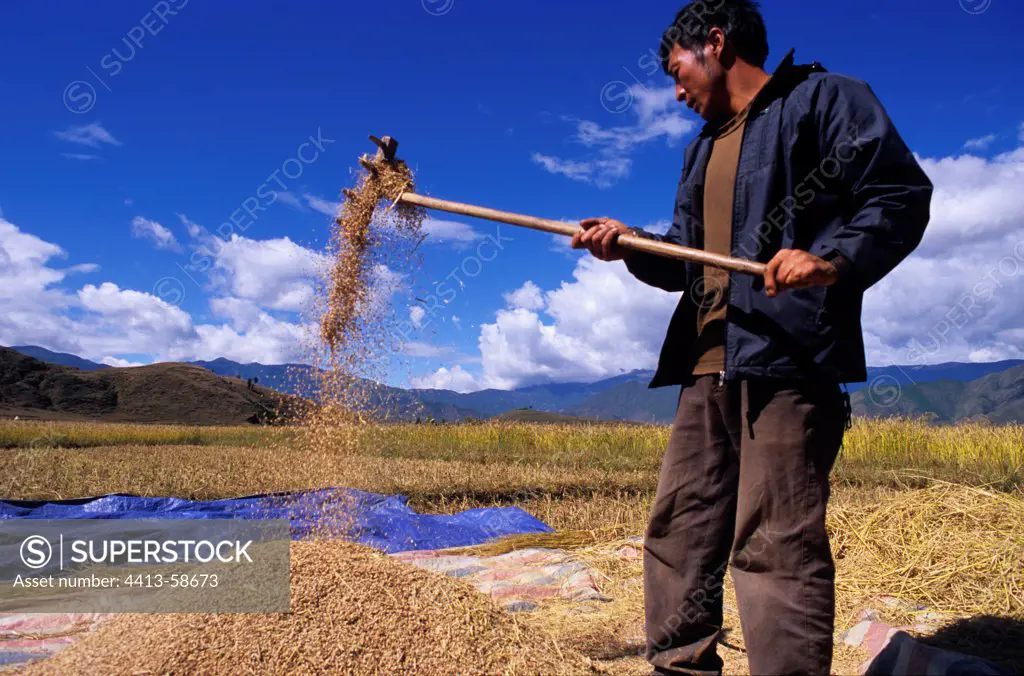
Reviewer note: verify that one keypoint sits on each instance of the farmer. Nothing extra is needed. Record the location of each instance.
(804, 171)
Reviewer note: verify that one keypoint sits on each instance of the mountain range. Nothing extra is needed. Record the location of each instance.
(945, 392)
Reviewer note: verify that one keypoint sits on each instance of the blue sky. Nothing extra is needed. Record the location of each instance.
(133, 130)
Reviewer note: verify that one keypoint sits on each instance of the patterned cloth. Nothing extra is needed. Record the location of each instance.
(894, 652)
(516, 580)
(26, 638)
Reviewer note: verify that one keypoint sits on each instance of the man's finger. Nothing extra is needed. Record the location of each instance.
(588, 223)
(598, 241)
(770, 283)
(608, 240)
(784, 275)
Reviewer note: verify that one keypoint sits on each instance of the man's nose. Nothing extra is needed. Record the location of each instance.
(680, 93)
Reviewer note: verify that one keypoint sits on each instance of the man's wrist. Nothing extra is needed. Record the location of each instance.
(841, 263)
(837, 260)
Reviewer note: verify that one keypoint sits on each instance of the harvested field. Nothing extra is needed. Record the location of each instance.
(954, 545)
(894, 453)
(353, 611)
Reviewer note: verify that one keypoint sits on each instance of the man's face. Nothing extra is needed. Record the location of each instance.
(700, 82)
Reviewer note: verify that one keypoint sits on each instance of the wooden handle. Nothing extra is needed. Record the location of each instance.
(631, 242)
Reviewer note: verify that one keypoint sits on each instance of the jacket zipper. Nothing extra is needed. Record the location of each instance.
(732, 247)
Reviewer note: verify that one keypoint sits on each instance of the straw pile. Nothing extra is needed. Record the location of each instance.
(953, 548)
(353, 611)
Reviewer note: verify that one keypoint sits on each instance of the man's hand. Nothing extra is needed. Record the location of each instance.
(600, 236)
(793, 269)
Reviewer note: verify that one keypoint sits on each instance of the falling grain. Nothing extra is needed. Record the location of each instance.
(352, 240)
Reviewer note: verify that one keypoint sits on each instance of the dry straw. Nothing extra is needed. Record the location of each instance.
(952, 548)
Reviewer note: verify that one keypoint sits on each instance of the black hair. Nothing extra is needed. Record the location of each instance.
(740, 20)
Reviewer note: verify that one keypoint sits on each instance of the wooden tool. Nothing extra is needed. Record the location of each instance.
(389, 146)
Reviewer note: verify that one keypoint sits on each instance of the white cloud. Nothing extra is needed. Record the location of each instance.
(308, 201)
(970, 267)
(456, 378)
(976, 200)
(134, 310)
(291, 199)
(657, 116)
(449, 231)
(160, 236)
(660, 227)
(457, 322)
(275, 273)
(195, 231)
(1020, 136)
(603, 173)
(325, 207)
(526, 297)
(425, 350)
(599, 324)
(27, 277)
(243, 314)
(270, 341)
(416, 315)
(92, 135)
(652, 102)
(102, 321)
(121, 363)
(972, 309)
(981, 143)
(81, 156)
(616, 140)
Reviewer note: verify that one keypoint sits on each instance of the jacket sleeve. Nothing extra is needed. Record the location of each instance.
(664, 273)
(890, 193)
(667, 274)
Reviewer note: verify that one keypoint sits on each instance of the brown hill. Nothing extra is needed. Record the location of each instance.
(164, 393)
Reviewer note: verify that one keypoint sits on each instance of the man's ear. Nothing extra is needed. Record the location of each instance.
(716, 42)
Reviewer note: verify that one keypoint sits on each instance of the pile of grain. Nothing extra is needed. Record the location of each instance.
(353, 611)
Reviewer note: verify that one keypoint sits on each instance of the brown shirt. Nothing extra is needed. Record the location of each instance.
(719, 193)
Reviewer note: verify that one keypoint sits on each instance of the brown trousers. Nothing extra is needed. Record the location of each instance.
(745, 482)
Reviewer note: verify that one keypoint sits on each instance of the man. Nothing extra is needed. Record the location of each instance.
(802, 170)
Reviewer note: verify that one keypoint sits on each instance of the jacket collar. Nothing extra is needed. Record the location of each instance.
(783, 79)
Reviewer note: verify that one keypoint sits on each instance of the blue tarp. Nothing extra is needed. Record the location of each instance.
(385, 522)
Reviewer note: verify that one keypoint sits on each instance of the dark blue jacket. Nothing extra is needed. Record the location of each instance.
(823, 170)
